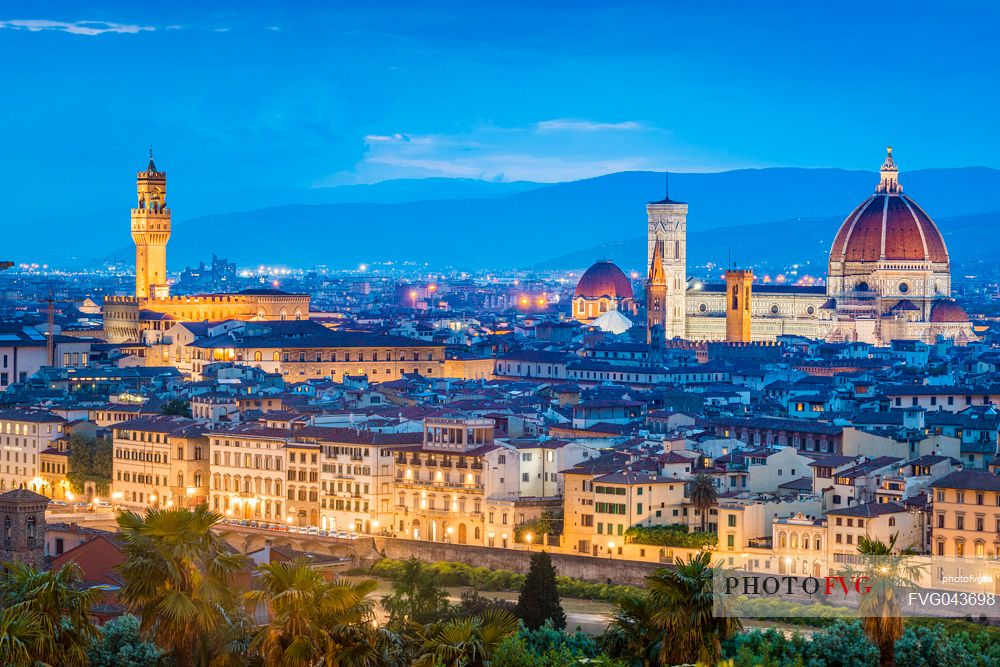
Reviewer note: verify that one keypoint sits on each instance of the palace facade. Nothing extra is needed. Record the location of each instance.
(151, 310)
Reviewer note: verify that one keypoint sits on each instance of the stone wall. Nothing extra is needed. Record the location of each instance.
(370, 549)
(587, 568)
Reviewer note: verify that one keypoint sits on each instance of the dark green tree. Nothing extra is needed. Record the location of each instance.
(89, 461)
(122, 645)
(177, 407)
(539, 599)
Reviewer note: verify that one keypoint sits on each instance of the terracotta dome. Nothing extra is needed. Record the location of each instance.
(604, 279)
(888, 226)
(948, 310)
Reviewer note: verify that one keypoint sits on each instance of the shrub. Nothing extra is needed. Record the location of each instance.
(670, 536)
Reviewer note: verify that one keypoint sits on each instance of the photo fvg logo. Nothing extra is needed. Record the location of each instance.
(830, 585)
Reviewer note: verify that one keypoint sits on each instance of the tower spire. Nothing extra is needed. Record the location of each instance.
(657, 274)
(889, 174)
(152, 165)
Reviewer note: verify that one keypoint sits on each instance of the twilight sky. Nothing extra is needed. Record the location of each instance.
(299, 94)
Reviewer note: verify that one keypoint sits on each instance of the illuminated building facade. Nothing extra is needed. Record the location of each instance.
(889, 278)
(151, 310)
(159, 462)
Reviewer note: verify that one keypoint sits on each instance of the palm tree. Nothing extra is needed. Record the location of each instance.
(683, 608)
(631, 634)
(20, 633)
(316, 622)
(703, 495)
(416, 597)
(178, 576)
(887, 570)
(464, 642)
(57, 627)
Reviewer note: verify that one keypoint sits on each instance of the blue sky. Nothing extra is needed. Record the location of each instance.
(299, 94)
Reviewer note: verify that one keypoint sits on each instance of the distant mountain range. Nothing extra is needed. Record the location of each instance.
(775, 245)
(786, 214)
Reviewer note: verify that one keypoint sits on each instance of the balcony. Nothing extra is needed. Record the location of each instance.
(477, 466)
(430, 485)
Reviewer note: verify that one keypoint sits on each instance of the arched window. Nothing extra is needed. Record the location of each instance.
(276, 357)
(257, 356)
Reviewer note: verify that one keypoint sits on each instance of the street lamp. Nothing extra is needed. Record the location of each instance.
(449, 530)
(528, 537)
(611, 546)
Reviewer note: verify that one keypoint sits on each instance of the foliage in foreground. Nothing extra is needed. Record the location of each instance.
(122, 645)
(844, 644)
(45, 616)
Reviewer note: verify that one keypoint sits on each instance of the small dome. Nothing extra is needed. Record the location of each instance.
(948, 310)
(604, 279)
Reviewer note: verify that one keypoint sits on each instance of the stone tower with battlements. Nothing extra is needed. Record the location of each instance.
(667, 230)
(150, 232)
(739, 286)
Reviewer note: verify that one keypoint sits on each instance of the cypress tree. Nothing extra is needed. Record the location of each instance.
(539, 599)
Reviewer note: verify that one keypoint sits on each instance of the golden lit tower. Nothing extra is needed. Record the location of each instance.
(150, 232)
(656, 298)
(667, 228)
(738, 294)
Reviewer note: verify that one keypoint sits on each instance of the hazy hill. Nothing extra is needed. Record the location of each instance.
(468, 223)
(777, 244)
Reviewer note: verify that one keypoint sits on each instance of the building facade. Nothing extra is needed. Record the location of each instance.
(147, 313)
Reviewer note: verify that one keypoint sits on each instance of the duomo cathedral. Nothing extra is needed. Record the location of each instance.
(889, 278)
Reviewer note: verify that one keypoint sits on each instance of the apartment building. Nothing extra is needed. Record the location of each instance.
(160, 462)
(248, 466)
(357, 475)
(24, 435)
(604, 500)
(443, 484)
(302, 461)
(542, 460)
(966, 515)
(846, 526)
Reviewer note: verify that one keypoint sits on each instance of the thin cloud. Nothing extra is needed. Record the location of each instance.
(545, 151)
(89, 28)
(571, 125)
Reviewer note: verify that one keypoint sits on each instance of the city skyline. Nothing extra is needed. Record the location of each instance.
(551, 334)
